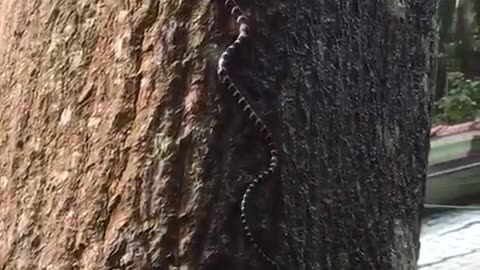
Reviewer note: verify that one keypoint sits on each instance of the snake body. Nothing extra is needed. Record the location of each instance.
(254, 119)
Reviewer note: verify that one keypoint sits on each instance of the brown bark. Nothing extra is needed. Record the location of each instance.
(105, 119)
(121, 152)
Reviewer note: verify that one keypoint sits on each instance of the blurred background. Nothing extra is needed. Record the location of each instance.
(451, 223)
(457, 91)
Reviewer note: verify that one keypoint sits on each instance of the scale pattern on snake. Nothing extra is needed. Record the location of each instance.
(223, 73)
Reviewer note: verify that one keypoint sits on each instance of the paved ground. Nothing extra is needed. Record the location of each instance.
(450, 241)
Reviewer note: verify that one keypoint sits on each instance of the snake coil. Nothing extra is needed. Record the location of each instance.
(223, 73)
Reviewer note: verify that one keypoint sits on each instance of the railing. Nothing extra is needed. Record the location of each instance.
(449, 171)
(453, 170)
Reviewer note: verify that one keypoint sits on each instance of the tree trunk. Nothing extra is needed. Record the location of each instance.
(464, 31)
(436, 60)
(122, 150)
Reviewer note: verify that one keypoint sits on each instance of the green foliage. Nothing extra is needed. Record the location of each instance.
(461, 103)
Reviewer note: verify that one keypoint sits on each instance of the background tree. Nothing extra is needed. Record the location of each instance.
(464, 29)
(120, 150)
(446, 14)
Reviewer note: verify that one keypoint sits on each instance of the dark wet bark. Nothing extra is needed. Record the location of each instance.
(349, 82)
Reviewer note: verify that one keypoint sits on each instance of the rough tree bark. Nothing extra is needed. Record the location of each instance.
(119, 150)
